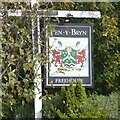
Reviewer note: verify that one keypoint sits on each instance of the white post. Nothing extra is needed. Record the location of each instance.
(38, 80)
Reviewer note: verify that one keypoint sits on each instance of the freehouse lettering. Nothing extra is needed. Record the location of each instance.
(65, 80)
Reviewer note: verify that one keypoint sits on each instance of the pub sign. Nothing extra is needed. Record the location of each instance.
(69, 49)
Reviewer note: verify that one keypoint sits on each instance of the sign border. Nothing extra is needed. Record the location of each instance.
(90, 26)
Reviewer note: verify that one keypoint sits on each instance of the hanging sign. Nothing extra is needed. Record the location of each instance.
(70, 55)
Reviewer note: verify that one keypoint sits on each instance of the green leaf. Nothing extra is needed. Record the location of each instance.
(59, 42)
(78, 42)
(21, 51)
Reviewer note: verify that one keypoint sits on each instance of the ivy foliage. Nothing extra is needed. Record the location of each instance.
(17, 65)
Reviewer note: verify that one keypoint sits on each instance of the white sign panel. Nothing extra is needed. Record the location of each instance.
(69, 51)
